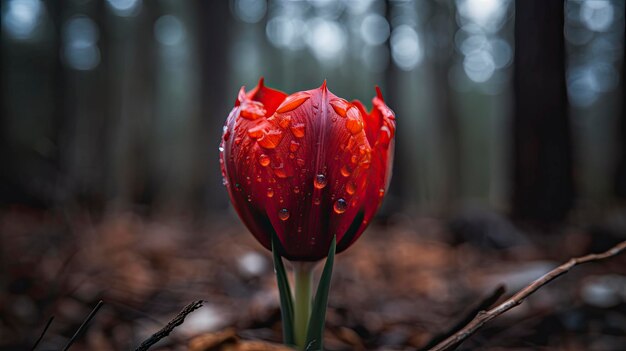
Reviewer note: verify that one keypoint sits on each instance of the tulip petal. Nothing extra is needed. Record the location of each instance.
(309, 171)
(270, 98)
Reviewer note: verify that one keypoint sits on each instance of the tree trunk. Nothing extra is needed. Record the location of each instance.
(542, 164)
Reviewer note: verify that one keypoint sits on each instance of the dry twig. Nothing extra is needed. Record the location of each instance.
(485, 316)
(167, 329)
(483, 305)
(83, 326)
(45, 329)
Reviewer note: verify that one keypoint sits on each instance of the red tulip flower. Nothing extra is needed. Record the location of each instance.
(308, 166)
(306, 173)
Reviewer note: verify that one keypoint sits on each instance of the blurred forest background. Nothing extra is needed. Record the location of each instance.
(511, 115)
(120, 103)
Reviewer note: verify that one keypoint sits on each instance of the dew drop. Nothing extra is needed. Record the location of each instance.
(292, 102)
(270, 192)
(221, 148)
(226, 134)
(345, 171)
(340, 106)
(284, 122)
(237, 140)
(354, 158)
(354, 122)
(316, 201)
(300, 162)
(294, 146)
(296, 190)
(280, 172)
(264, 160)
(381, 192)
(298, 129)
(350, 188)
(340, 206)
(256, 132)
(283, 214)
(320, 181)
(249, 198)
(252, 110)
(271, 139)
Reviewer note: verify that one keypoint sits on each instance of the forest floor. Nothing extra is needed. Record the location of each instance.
(403, 283)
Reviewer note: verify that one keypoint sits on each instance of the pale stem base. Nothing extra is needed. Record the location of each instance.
(302, 301)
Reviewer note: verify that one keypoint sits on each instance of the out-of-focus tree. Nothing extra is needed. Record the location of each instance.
(543, 186)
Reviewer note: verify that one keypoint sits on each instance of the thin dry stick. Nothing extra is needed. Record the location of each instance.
(485, 316)
(45, 329)
(83, 326)
(483, 305)
(165, 331)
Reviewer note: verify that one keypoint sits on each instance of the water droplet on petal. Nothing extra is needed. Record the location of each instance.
(316, 201)
(350, 188)
(300, 162)
(252, 110)
(293, 146)
(345, 171)
(280, 172)
(284, 122)
(340, 206)
(354, 158)
(256, 132)
(292, 102)
(296, 190)
(298, 130)
(271, 139)
(264, 160)
(320, 181)
(340, 106)
(221, 148)
(283, 214)
(226, 134)
(270, 192)
(354, 122)
(381, 192)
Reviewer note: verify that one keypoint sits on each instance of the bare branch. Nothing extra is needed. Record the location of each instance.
(45, 329)
(483, 305)
(171, 325)
(485, 316)
(83, 326)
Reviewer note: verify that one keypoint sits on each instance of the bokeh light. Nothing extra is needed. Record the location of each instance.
(125, 8)
(80, 41)
(20, 18)
(249, 11)
(169, 30)
(406, 49)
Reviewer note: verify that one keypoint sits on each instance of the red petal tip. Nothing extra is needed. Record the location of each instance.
(241, 96)
(323, 87)
(261, 82)
(379, 93)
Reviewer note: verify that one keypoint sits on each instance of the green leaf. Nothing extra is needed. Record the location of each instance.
(315, 333)
(286, 301)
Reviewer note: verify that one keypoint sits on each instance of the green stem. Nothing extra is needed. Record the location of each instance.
(302, 304)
